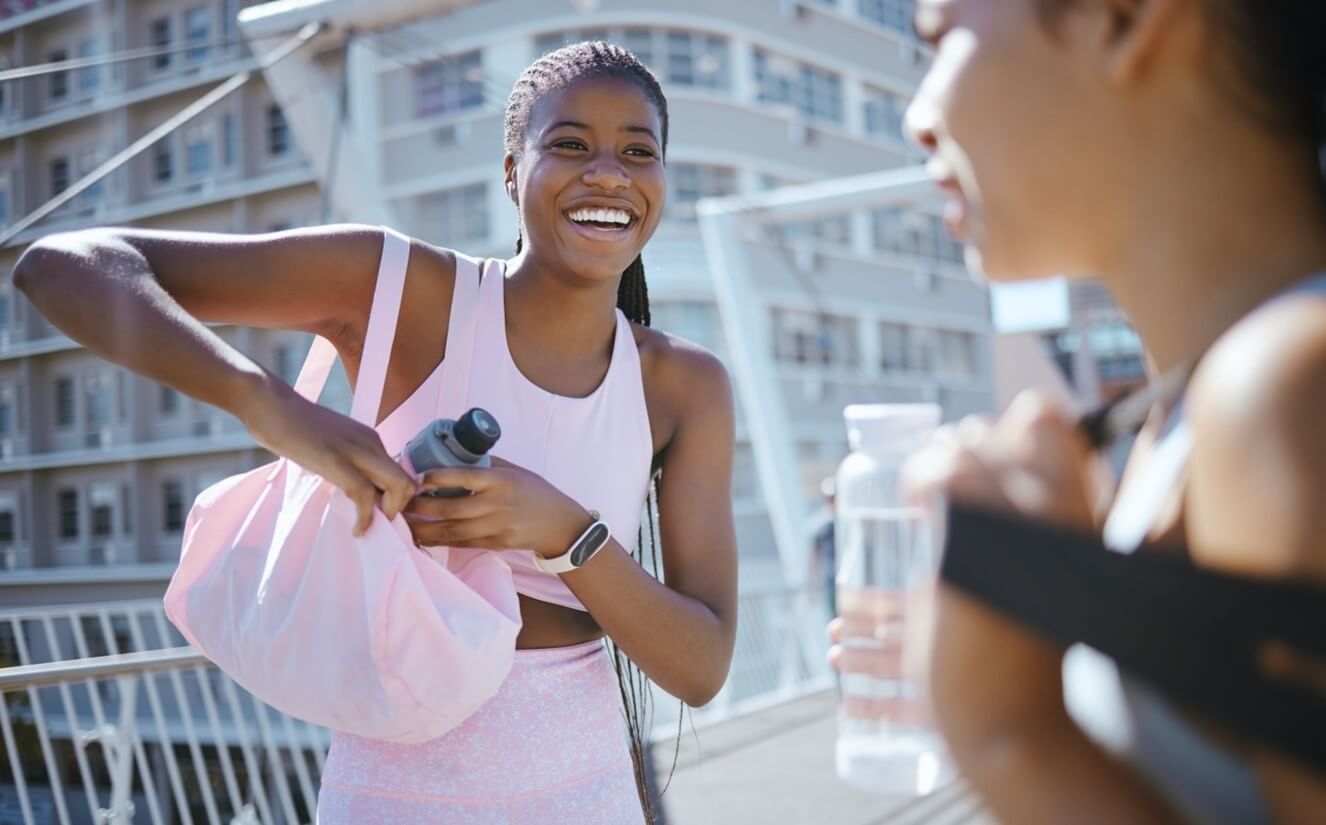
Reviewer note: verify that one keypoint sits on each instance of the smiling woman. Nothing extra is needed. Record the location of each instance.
(601, 415)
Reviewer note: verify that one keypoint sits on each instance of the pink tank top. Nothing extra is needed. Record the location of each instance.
(598, 449)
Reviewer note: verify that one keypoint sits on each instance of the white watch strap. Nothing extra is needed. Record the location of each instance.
(563, 563)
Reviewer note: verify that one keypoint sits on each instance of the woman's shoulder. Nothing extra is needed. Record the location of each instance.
(678, 365)
(429, 283)
(685, 384)
(1256, 405)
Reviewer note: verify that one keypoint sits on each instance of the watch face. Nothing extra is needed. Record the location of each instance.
(589, 545)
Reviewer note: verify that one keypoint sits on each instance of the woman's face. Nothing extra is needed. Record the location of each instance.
(589, 182)
(1018, 123)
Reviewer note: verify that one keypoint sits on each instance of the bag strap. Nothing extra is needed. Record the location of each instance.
(1195, 635)
(377, 339)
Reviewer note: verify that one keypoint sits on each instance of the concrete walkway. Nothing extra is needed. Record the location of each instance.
(776, 766)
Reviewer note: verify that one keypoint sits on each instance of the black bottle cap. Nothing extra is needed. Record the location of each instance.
(477, 431)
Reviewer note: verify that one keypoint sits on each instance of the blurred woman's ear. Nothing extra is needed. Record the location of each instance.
(1137, 29)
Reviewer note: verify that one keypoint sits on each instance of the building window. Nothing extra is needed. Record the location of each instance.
(68, 513)
(884, 112)
(163, 161)
(64, 403)
(103, 521)
(87, 162)
(168, 401)
(59, 173)
(197, 31)
(278, 132)
(802, 337)
(456, 215)
(695, 59)
(6, 526)
(941, 353)
(689, 182)
(449, 85)
(892, 14)
(57, 87)
(89, 77)
(4, 221)
(198, 150)
(160, 38)
(814, 92)
(696, 321)
(172, 511)
(678, 56)
(6, 417)
(97, 396)
(908, 232)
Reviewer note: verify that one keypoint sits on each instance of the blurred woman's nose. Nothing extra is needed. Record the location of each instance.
(920, 120)
(605, 172)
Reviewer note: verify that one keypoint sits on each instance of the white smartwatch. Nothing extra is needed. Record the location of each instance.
(581, 551)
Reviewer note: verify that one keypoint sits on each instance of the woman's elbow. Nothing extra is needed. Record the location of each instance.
(35, 270)
(704, 687)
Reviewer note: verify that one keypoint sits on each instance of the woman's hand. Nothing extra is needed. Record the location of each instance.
(348, 454)
(1033, 461)
(508, 508)
(990, 678)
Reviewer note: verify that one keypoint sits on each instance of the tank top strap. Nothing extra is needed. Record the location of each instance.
(464, 321)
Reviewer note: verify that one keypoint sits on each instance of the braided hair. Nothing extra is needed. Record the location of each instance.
(558, 70)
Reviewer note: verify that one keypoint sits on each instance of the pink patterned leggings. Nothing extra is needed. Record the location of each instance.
(549, 748)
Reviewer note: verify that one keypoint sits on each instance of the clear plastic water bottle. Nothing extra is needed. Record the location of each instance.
(887, 741)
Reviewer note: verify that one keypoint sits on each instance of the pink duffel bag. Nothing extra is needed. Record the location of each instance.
(367, 635)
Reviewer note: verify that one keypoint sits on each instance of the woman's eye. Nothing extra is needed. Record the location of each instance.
(569, 144)
(640, 152)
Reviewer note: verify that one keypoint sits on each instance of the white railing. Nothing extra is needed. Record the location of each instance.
(108, 717)
(150, 732)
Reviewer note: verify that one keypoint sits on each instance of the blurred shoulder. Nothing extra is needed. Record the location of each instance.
(1257, 405)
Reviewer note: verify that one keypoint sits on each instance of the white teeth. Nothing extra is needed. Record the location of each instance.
(617, 216)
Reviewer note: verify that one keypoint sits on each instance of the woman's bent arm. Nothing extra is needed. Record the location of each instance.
(143, 299)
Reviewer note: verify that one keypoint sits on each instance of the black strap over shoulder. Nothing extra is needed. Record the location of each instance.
(1193, 634)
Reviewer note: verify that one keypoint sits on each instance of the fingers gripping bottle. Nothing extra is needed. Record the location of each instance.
(464, 442)
(887, 741)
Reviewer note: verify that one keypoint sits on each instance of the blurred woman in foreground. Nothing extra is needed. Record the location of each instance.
(1171, 148)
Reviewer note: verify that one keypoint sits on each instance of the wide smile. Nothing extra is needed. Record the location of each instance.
(601, 224)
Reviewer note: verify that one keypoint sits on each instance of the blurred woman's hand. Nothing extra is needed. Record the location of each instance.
(990, 679)
(348, 454)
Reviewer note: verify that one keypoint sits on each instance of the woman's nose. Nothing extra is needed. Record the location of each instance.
(606, 173)
(918, 123)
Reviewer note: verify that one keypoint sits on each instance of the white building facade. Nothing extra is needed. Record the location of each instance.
(98, 467)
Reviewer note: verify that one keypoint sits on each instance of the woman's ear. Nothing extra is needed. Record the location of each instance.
(509, 167)
(1139, 30)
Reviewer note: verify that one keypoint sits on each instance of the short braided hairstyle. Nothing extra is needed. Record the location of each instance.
(559, 69)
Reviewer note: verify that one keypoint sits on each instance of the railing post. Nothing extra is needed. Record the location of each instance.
(117, 741)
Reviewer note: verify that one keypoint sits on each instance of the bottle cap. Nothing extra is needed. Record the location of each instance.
(477, 431)
(890, 428)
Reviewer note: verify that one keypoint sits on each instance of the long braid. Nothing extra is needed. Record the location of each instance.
(554, 71)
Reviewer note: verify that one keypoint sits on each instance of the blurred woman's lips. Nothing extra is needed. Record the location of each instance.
(955, 216)
(955, 208)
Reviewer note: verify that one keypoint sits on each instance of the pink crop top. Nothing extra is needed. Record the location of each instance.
(597, 449)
